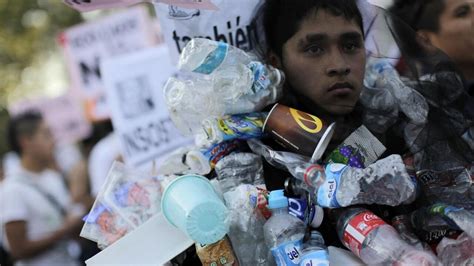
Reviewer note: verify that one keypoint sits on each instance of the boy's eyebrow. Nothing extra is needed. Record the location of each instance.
(312, 37)
(319, 37)
(352, 35)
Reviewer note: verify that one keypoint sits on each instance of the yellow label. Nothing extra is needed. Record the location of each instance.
(314, 120)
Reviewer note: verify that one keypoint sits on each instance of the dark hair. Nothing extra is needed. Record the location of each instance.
(419, 14)
(282, 18)
(22, 125)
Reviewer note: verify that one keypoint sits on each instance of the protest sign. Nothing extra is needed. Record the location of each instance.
(63, 115)
(134, 85)
(86, 45)
(230, 24)
(90, 5)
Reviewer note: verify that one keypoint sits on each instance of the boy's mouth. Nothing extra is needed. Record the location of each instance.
(341, 88)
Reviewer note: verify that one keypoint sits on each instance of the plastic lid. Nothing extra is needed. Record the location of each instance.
(318, 217)
(323, 143)
(277, 199)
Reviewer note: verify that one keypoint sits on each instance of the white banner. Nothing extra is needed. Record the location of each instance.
(86, 45)
(229, 24)
(63, 115)
(134, 85)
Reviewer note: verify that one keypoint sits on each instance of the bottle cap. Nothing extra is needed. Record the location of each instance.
(318, 217)
(277, 199)
(198, 162)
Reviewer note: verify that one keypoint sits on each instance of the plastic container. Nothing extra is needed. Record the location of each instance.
(191, 204)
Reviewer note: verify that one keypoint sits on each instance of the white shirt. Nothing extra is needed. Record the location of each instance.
(101, 158)
(21, 201)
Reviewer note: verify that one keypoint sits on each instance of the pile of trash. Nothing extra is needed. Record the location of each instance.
(214, 191)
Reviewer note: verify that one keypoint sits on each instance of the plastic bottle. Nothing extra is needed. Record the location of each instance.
(240, 126)
(459, 251)
(301, 204)
(202, 161)
(204, 56)
(377, 243)
(402, 225)
(283, 232)
(384, 182)
(314, 252)
(457, 218)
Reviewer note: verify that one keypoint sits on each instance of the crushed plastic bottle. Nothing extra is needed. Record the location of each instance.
(283, 232)
(246, 218)
(458, 251)
(384, 182)
(228, 82)
(241, 126)
(456, 217)
(403, 227)
(239, 168)
(314, 252)
(377, 243)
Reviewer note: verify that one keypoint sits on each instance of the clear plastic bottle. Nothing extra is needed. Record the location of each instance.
(283, 232)
(377, 243)
(314, 252)
(384, 182)
(204, 56)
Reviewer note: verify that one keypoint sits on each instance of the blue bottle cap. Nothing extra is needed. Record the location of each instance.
(277, 199)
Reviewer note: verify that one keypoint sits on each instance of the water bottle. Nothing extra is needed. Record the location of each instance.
(384, 182)
(377, 243)
(301, 204)
(314, 252)
(232, 71)
(457, 218)
(204, 56)
(283, 232)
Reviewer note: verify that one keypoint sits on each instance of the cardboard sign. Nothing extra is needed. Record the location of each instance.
(90, 5)
(86, 45)
(63, 114)
(134, 85)
(229, 24)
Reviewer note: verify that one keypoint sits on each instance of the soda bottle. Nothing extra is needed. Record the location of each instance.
(314, 252)
(283, 232)
(377, 243)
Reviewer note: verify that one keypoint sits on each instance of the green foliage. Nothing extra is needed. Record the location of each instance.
(29, 29)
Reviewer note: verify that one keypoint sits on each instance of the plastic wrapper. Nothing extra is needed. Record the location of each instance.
(126, 200)
(239, 168)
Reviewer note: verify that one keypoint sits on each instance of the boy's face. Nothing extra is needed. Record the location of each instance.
(41, 144)
(325, 61)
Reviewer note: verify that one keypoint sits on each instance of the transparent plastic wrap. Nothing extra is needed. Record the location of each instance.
(127, 200)
(248, 213)
(459, 252)
(239, 168)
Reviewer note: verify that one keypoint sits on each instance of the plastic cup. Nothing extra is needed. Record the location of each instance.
(191, 204)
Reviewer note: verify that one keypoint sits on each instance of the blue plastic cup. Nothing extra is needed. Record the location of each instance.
(191, 204)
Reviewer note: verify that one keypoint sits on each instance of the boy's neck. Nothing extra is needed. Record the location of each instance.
(32, 165)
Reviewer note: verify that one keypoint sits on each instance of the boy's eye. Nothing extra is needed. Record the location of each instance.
(351, 47)
(462, 12)
(314, 49)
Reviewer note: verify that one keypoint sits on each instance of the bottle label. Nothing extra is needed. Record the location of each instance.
(218, 151)
(260, 76)
(245, 126)
(327, 192)
(288, 254)
(358, 228)
(315, 258)
(213, 59)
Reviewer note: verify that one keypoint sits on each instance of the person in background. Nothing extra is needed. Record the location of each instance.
(445, 24)
(102, 155)
(36, 206)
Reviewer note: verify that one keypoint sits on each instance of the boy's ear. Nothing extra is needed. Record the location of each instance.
(274, 60)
